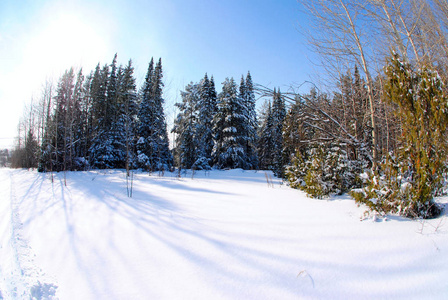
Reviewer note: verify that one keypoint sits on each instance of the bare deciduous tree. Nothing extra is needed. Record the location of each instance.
(338, 36)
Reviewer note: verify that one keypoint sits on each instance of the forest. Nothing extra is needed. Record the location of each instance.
(373, 125)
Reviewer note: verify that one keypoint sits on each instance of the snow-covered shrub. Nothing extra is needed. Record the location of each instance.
(393, 190)
(201, 163)
(408, 183)
(296, 171)
(80, 163)
(322, 171)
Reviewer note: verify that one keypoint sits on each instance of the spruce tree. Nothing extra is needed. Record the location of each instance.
(252, 121)
(278, 119)
(229, 122)
(100, 150)
(57, 144)
(79, 123)
(145, 113)
(249, 128)
(111, 94)
(265, 141)
(121, 131)
(153, 145)
(30, 151)
(128, 101)
(186, 127)
(207, 110)
(293, 132)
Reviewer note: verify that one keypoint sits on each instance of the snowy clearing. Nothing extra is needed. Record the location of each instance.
(219, 235)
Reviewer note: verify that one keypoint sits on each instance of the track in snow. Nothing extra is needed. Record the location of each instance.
(21, 278)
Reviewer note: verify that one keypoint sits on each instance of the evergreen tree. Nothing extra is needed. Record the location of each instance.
(207, 109)
(85, 122)
(128, 103)
(265, 141)
(229, 122)
(110, 89)
(250, 126)
(153, 145)
(121, 131)
(97, 91)
(56, 147)
(322, 170)
(278, 119)
(111, 94)
(293, 132)
(100, 150)
(410, 179)
(186, 126)
(79, 125)
(30, 151)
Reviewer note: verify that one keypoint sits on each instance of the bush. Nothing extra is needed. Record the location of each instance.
(393, 191)
(408, 183)
(322, 171)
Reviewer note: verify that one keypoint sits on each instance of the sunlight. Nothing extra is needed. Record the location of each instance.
(67, 41)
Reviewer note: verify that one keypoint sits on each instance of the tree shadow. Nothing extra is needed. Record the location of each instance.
(159, 218)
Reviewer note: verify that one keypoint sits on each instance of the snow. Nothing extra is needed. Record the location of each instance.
(211, 235)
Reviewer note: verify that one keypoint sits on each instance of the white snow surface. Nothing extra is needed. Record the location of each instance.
(217, 235)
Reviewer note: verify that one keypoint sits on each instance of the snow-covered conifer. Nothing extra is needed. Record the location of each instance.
(250, 126)
(153, 145)
(419, 165)
(56, 145)
(278, 119)
(207, 110)
(186, 125)
(230, 141)
(265, 142)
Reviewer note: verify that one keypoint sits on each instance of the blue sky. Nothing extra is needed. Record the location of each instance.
(40, 39)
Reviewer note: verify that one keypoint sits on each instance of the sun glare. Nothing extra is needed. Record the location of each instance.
(67, 41)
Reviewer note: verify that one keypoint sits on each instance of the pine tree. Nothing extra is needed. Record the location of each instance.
(153, 145)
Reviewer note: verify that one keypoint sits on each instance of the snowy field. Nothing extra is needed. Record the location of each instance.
(219, 235)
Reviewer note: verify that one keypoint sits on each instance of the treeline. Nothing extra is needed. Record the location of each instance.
(222, 130)
(98, 121)
(101, 121)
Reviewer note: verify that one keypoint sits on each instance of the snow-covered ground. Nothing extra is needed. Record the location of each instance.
(219, 235)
